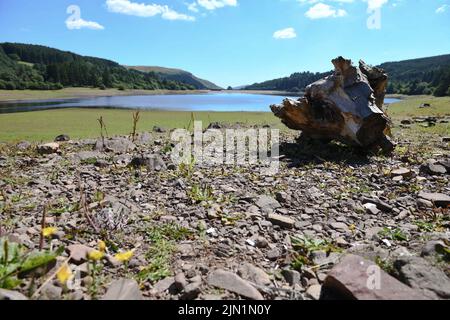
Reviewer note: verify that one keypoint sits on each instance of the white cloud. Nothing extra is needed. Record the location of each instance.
(321, 10)
(73, 24)
(288, 33)
(193, 7)
(215, 4)
(145, 10)
(442, 9)
(375, 4)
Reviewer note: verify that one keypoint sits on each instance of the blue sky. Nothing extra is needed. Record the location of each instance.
(233, 42)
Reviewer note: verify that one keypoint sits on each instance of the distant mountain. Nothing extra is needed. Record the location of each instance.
(178, 75)
(416, 76)
(26, 66)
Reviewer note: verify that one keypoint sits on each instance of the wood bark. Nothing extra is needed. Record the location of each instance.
(345, 106)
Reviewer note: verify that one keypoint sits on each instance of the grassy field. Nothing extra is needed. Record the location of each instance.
(82, 123)
(68, 93)
(410, 107)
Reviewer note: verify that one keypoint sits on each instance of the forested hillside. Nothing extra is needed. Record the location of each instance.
(413, 77)
(24, 66)
(178, 75)
(294, 83)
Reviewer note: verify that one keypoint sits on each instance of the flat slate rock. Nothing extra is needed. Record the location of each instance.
(123, 289)
(11, 295)
(439, 199)
(355, 278)
(419, 274)
(233, 283)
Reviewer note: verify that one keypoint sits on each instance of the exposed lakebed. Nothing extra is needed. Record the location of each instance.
(219, 102)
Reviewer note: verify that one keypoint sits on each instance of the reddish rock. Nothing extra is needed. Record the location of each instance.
(355, 278)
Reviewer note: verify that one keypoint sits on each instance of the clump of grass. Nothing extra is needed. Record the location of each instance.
(164, 239)
(304, 246)
(200, 193)
(393, 234)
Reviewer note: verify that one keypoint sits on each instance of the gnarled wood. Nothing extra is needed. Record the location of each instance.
(345, 106)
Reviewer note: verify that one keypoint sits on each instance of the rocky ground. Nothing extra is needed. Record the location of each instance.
(224, 232)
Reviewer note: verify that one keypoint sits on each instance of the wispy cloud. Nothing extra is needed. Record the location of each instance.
(322, 10)
(442, 8)
(81, 23)
(288, 33)
(216, 4)
(146, 10)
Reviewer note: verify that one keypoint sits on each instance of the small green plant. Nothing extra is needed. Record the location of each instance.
(393, 234)
(303, 247)
(187, 169)
(16, 262)
(385, 264)
(136, 118)
(89, 161)
(163, 240)
(200, 193)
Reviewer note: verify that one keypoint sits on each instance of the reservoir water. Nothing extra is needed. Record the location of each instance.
(219, 102)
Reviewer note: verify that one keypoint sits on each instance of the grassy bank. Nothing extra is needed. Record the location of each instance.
(410, 107)
(69, 93)
(82, 123)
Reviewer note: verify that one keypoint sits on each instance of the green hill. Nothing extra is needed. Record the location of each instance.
(416, 76)
(25, 66)
(178, 75)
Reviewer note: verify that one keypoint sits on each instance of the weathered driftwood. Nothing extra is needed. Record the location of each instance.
(345, 106)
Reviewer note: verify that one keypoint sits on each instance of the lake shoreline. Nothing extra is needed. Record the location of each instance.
(18, 96)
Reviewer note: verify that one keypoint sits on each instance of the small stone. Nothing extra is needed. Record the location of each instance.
(313, 291)
(191, 291)
(281, 221)
(339, 226)
(283, 197)
(11, 295)
(261, 242)
(62, 138)
(163, 285)
(48, 148)
(50, 292)
(267, 204)
(180, 281)
(254, 274)
(229, 281)
(419, 274)
(123, 289)
(273, 254)
(348, 280)
(292, 277)
(78, 253)
(371, 208)
(439, 199)
(435, 169)
(403, 172)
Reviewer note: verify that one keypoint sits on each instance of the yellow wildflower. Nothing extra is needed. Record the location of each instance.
(95, 255)
(64, 274)
(49, 231)
(124, 256)
(101, 245)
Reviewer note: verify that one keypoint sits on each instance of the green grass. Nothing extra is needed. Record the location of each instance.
(82, 123)
(410, 107)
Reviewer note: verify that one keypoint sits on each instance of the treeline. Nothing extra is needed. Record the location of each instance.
(24, 66)
(430, 76)
(296, 82)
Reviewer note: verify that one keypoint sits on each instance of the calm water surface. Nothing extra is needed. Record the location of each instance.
(219, 102)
